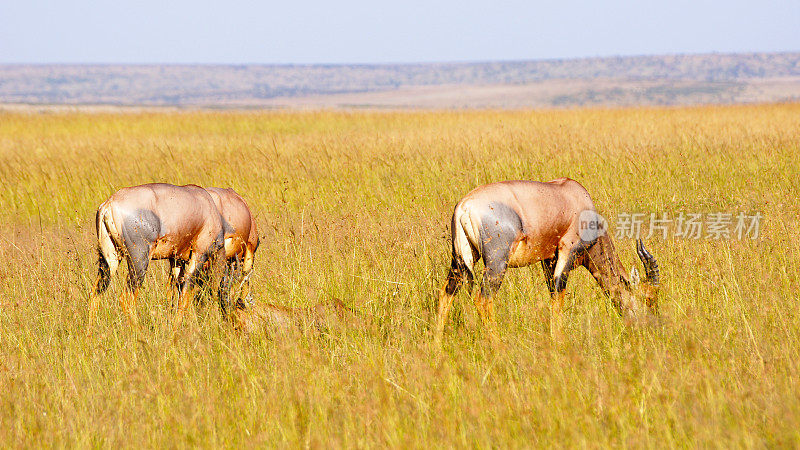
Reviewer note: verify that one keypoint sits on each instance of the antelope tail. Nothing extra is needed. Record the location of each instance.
(462, 230)
(108, 257)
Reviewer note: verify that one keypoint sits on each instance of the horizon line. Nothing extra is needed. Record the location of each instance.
(408, 63)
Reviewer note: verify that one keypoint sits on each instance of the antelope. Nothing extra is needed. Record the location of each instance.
(241, 242)
(517, 223)
(151, 222)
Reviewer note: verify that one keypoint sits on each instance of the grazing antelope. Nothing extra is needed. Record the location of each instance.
(241, 242)
(156, 221)
(517, 223)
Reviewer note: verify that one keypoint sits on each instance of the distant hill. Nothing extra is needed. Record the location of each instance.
(640, 80)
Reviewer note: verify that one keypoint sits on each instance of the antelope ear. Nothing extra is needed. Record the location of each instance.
(635, 276)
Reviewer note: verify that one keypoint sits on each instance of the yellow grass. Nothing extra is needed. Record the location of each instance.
(357, 206)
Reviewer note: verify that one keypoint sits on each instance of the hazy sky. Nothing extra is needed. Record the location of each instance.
(347, 31)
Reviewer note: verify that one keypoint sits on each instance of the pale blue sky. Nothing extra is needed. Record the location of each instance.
(347, 31)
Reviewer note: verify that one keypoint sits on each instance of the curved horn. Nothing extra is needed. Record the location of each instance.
(649, 262)
(651, 275)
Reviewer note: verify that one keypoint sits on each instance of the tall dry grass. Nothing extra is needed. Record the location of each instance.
(356, 206)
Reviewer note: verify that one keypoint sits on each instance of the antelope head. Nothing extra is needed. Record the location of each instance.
(634, 301)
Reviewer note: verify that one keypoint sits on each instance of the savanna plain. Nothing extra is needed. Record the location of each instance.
(356, 206)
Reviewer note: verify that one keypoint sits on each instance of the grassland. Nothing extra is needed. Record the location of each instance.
(356, 205)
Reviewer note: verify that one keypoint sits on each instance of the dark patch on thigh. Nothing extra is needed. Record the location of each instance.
(500, 227)
(139, 231)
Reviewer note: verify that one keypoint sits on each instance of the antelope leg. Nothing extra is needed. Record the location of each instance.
(94, 299)
(127, 301)
(556, 314)
(445, 301)
(564, 265)
(187, 291)
(485, 307)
